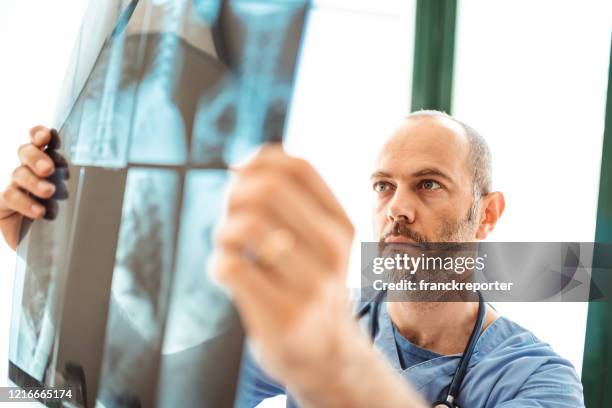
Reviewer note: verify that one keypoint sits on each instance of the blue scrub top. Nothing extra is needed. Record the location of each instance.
(510, 368)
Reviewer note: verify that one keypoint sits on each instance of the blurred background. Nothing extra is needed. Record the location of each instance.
(532, 77)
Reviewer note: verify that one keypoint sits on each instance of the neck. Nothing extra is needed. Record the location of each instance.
(165, 61)
(442, 327)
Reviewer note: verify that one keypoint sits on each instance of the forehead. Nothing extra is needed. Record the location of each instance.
(423, 143)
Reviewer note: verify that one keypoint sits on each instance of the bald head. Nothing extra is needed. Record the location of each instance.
(478, 158)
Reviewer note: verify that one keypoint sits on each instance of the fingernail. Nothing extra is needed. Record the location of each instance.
(43, 166)
(37, 210)
(39, 136)
(46, 187)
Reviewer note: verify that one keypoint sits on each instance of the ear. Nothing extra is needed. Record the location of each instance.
(491, 208)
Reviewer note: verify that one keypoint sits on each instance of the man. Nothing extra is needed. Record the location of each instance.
(283, 251)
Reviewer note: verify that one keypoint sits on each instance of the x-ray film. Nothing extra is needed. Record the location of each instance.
(140, 287)
(201, 323)
(113, 296)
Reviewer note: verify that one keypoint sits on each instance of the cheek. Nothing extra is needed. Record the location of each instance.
(449, 224)
(432, 221)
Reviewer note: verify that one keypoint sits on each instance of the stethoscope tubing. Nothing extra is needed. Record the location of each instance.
(373, 308)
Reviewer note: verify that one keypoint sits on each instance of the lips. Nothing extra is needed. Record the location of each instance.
(399, 239)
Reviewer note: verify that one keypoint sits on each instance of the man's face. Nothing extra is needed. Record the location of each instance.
(423, 185)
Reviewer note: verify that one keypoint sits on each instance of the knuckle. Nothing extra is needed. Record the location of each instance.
(27, 153)
(10, 195)
(17, 173)
(300, 165)
(221, 236)
(4, 196)
(224, 269)
(23, 149)
(225, 237)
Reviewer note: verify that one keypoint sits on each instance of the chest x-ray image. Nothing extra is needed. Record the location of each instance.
(112, 297)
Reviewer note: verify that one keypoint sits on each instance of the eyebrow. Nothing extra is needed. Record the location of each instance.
(380, 174)
(420, 173)
(433, 172)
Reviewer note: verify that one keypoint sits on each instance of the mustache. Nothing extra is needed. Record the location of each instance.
(401, 229)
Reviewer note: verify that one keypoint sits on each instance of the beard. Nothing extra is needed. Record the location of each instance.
(452, 240)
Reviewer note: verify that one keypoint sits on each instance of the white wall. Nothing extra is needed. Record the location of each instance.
(531, 76)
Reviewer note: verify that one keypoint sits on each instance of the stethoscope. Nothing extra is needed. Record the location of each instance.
(373, 308)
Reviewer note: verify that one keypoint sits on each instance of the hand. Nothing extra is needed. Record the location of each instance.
(27, 179)
(283, 251)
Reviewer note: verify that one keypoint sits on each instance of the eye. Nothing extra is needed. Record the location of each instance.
(430, 185)
(381, 187)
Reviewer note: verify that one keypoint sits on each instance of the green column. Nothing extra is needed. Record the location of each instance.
(597, 364)
(434, 49)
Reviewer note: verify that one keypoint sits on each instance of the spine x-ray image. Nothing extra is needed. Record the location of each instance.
(112, 294)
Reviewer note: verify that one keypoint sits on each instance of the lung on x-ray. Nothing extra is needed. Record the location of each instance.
(112, 296)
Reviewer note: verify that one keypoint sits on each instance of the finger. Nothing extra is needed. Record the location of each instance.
(18, 201)
(233, 270)
(51, 209)
(32, 157)
(273, 157)
(285, 204)
(253, 293)
(28, 181)
(55, 142)
(296, 267)
(243, 234)
(40, 136)
(304, 273)
(58, 160)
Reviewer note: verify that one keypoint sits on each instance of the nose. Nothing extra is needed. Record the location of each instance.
(401, 206)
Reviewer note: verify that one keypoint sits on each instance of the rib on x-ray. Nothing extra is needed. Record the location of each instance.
(112, 296)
